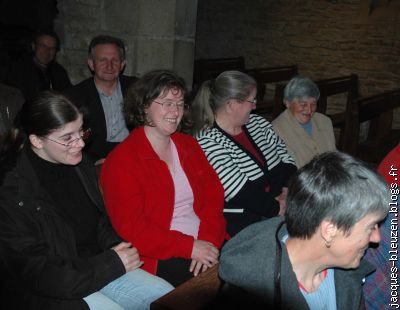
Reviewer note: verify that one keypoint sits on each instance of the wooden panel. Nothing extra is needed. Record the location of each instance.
(206, 69)
(381, 138)
(193, 294)
(269, 75)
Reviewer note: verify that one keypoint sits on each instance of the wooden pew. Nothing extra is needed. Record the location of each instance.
(206, 69)
(377, 109)
(346, 85)
(193, 294)
(269, 75)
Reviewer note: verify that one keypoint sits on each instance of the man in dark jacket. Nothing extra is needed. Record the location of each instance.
(39, 71)
(101, 96)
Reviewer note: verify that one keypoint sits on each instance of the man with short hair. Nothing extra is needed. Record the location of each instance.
(101, 96)
(39, 71)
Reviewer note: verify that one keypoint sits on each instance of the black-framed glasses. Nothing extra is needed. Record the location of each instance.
(83, 135)
(169, 106)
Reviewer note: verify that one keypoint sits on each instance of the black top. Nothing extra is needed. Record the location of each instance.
(65, 188)
(41, 265)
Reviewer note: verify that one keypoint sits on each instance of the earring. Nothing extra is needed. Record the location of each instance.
(328, 244)
(149, 122)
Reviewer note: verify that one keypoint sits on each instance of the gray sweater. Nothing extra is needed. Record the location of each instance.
(248, 261)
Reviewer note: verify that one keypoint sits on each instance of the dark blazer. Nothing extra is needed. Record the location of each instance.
(85, 96)
(40, 268)
(31, 80)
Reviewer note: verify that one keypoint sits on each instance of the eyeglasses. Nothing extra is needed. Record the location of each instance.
(83, 135)
(171, 105)
(254, 101)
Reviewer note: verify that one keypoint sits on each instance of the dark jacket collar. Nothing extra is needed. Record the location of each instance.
(28, 182)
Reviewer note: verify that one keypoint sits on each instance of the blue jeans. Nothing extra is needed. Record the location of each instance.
(135, 290)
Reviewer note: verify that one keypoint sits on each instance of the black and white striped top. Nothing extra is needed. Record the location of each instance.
(233, 165)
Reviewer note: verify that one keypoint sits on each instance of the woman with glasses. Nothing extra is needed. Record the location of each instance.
(250, 159)
(306, 132)
(160, 191)
(57, 247)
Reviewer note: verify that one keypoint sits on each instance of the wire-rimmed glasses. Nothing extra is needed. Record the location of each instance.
(169, 106)
(83, 135)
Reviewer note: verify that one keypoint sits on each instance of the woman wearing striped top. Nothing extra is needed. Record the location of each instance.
(250, 159)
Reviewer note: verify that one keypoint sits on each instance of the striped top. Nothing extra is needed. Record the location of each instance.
(233, 164)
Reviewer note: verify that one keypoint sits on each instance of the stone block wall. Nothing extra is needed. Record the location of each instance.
(159, 34)
(325, 38)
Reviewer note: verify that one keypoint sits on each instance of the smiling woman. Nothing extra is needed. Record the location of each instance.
(306, 132)
(251, 160)
(161, 193)
(314, 260)
(55, 235)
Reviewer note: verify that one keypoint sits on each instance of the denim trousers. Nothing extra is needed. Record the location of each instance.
(135, 290)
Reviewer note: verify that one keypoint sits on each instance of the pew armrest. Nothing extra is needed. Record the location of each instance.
(193, 294)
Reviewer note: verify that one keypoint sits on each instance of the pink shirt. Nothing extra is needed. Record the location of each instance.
(184, 219)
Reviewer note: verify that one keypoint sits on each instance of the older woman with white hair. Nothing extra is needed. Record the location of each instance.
(306, 132)
(315, 261)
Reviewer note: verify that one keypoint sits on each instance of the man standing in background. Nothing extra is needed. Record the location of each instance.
(39, 71)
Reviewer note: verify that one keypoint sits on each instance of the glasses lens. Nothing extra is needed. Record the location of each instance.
(170, 106)
(84, 136)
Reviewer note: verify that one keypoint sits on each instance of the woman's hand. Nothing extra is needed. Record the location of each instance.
(197, 267)
(128, 255)
(204, 255)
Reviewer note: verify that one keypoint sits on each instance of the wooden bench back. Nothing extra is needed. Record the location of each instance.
(377, 109)
(338, 85)
(206, 69)
(269, 75)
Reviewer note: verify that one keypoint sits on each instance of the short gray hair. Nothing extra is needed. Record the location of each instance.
(336, 187)
(300, 87)
(105, 39)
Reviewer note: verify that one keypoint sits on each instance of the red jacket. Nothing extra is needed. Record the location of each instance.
(390, 162)
(139, 196)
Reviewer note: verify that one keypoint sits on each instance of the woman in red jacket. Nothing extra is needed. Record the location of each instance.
(160, 191)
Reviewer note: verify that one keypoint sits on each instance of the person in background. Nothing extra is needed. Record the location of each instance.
(11, 101)
(314, 259)
(58, 249)
(377, 285)
(306, 132)
(102, 95)
(39, 71)
(159, 189)
(251, 160)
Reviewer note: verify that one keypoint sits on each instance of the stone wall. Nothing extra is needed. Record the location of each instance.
(324, 38)
(158, 33)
